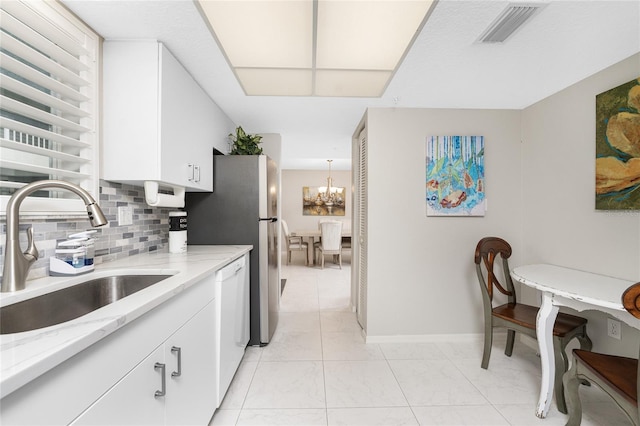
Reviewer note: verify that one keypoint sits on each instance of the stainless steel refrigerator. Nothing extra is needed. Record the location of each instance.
(243, 210)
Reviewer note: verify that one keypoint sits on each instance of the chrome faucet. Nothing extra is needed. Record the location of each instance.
(17, 264)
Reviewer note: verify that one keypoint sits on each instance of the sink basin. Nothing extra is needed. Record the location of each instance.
(72, 302)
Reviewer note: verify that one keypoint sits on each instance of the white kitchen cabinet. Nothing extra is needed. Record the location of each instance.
(190, 398)
(116, 376)
(159, 125)
(182, 371)
(131, 401)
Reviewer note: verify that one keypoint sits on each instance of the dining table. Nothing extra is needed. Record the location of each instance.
(311, 235)
(575, 289)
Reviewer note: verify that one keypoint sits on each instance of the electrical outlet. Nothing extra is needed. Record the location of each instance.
(125, 215)
(613, 328)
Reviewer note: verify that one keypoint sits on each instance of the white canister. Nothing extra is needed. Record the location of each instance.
(177, 232)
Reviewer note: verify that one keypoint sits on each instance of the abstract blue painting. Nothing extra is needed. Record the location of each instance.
(455, 176)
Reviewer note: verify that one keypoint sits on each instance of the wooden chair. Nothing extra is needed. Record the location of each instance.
(330, 240)
(518, 317)
(617, 376)
(294, 243)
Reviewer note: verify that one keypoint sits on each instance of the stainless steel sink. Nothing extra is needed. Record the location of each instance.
(72, 302)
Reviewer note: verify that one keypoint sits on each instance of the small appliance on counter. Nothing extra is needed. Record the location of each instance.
(73, 256)
(177, 232)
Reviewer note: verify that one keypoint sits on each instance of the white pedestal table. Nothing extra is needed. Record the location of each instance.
(575, 289)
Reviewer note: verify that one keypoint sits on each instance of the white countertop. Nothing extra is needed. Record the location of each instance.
(25, 356)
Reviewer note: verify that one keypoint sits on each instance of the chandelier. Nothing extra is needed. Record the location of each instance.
(328, 193)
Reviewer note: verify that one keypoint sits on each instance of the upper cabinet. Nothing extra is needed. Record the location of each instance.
(159, 125)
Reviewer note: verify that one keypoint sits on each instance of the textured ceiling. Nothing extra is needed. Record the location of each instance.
(566, 42)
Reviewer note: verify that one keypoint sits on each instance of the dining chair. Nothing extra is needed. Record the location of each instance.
(617, 376)
(330, 241)
(294, 243)
(519, 317)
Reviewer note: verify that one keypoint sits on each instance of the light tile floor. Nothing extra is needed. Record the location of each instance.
(318, 371)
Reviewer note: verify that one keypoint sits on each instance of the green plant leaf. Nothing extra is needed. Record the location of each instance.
(245, 144)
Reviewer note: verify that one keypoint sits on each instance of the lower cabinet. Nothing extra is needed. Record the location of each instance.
(131, 401)
(191, 381)
(115, 380)
(175, 385)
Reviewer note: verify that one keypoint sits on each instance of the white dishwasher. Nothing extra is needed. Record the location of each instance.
(232, 299)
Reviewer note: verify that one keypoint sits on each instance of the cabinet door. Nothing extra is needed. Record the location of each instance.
(132, 400)
(187, 135)
(191, 390)
(131, 82)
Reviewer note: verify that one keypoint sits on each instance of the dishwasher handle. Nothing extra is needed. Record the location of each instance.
(231, 269)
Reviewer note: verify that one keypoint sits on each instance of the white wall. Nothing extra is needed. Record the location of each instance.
(421, 276)
(540, 178)
(292, 183)
(560, 223)
(272, 146)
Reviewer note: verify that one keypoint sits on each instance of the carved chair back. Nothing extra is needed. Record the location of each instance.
(487, 251)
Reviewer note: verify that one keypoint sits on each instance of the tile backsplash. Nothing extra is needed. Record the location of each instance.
(148, 232)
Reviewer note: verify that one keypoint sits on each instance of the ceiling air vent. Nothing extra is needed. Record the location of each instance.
(508, 22)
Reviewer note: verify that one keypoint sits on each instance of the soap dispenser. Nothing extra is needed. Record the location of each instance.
(88, 243)
(73, 256)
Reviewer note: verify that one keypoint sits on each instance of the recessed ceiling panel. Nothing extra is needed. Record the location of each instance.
(360, 36)
(351, 83)
(263, 33)
(365, 34)
(275, 82)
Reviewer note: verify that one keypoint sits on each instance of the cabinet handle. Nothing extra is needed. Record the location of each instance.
(162, 368)
(196, 173)
(179, 351)
(190, 172)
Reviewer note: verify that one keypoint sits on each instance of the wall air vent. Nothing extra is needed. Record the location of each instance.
(512, 18)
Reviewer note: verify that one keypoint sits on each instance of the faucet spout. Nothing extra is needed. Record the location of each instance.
(16, 263)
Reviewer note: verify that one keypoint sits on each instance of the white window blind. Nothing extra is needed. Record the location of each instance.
(49, 65)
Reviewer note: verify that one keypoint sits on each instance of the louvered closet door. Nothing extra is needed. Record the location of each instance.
(360, 205)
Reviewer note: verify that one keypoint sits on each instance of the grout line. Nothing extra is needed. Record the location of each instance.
(324, 374)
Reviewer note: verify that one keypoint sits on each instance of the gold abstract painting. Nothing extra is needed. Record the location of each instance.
(618, 148)
(317, 201)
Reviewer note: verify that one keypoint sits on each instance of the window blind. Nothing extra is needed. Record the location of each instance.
(48, 98)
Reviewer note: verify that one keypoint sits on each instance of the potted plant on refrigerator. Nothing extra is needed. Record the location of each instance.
(245, 144)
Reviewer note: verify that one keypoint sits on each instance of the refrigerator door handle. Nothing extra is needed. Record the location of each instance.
(270, 219)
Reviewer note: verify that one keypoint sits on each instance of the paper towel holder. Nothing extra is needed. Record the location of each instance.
(156, 199)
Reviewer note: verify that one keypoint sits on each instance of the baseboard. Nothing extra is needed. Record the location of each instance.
(425, 338)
